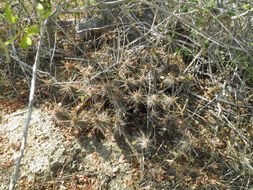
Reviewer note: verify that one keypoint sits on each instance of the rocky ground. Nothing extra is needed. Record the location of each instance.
(55, 160)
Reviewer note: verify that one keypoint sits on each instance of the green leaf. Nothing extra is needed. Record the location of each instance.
(11, 19)
(12, 39)
(9, 41)
(40, 9)
(186, 53)
(47, 14)
(25, 42)
(230, 13)
(206, 10)
(246, 7)
(205, 45)
(92, 2)
(31, 30)
(178, 50)
(83, 98)
(211, 4)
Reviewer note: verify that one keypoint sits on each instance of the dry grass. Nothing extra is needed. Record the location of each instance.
(183, 99)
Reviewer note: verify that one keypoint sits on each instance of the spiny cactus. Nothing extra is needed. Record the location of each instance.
(131, 91)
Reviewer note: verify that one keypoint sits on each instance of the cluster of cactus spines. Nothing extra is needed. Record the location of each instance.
(144, 141)
(137, 93)
(136, 97)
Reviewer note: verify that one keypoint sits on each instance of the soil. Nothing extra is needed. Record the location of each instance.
(52, 156)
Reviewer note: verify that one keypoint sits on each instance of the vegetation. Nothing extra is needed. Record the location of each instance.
(180, 98)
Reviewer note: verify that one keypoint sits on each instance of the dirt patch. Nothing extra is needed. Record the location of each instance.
(51, 159)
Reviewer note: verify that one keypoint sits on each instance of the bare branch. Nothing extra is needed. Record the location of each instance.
(31, 99)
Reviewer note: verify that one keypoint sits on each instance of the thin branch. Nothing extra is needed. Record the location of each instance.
(31, 99)
(243, 14)
(198, 31)
(16, 58)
